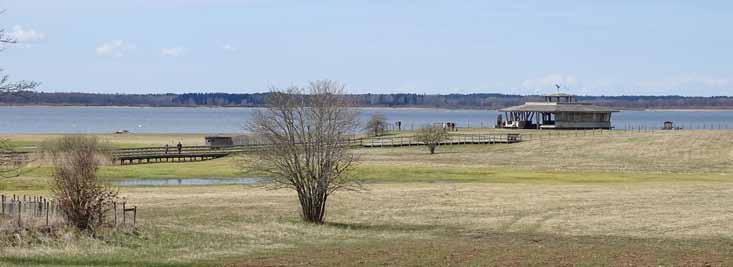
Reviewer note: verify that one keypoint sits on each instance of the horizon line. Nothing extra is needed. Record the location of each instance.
(385, 93)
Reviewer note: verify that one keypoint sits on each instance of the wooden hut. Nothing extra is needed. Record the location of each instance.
(559, 111)
(219, 141)
(668, 125)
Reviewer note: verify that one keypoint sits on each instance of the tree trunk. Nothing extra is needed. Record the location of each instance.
(432, 149)
(313, 208)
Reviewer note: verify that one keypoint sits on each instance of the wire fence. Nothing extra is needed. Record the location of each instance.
(28, 209)
(23, 210)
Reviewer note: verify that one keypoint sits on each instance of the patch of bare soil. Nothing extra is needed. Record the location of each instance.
(508, 249)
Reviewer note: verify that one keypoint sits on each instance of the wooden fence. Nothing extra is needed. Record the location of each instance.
(18, 210)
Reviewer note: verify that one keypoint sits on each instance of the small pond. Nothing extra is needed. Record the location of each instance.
(187, 181)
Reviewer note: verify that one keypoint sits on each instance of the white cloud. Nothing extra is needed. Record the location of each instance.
(548, 82)
(117, 48)
(173, 51)
(229, 48)
(24, 37)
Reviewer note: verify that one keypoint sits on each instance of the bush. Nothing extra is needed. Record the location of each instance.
(376, 125)
(431, 136)
(82, 198)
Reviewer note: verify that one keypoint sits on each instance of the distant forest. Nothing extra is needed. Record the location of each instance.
(484, 101)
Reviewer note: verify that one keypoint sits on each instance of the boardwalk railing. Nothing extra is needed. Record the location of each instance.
(194, 153)
(188, 153)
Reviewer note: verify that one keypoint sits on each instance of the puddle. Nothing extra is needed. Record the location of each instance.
(187, 181)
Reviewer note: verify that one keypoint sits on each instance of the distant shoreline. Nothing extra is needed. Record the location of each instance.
(360, 107)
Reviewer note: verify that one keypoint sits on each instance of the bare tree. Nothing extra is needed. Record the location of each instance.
(376, 124)
(83, 199)
(7, 87)
(306, 128)
(431, 136)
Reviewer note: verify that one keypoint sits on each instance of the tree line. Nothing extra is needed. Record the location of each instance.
(479, 100)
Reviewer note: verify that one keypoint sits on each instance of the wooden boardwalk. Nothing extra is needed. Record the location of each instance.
(454, 140)
(189, 153)
(199, 153)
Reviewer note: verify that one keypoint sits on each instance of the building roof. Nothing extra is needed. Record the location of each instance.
(559, 94)
(557, 107)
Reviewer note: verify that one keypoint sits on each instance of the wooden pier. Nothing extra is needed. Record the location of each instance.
(198, 153)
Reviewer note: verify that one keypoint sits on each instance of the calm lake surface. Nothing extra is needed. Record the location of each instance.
(231, 120)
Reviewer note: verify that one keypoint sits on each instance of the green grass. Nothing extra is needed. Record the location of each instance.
(374, 172)
(218, 168)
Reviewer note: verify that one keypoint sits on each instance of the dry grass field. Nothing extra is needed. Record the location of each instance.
(617, 199)
(660, 151)
(433, 224)
(117, 140)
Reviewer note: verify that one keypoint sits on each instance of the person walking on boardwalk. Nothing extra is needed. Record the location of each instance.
(166, 149)
(180, 147)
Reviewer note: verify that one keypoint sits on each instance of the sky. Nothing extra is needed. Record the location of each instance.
(619, 47)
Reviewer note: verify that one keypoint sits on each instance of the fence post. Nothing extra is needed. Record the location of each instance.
(47, 206)
(3, 205)
(123, 213)
(114, 206)
(134, 216)
(20, 214)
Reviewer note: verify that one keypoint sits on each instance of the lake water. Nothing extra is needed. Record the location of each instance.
(187, 181)
(231, 120)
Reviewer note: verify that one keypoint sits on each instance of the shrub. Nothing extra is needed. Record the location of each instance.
(80, 195)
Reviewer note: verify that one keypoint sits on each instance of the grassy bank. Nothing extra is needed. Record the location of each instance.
(617, 157)
(116, 140)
